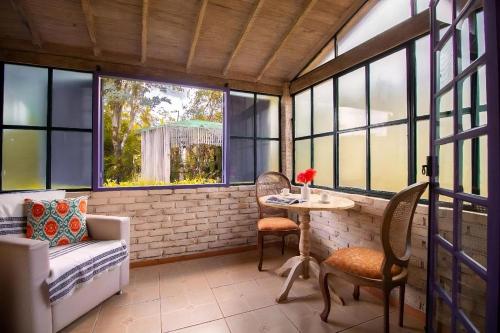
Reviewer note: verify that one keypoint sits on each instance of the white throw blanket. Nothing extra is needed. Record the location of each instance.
(76, 264)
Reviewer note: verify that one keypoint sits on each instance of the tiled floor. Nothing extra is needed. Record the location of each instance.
(227, 294)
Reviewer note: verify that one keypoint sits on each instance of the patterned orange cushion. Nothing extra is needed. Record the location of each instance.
(276, 224)
(360, 261)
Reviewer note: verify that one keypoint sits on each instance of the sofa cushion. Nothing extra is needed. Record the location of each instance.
(12, 215)
(60, 222)
(73, 265)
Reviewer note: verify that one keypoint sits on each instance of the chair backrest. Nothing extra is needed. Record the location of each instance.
(396, 226)
(270, 183)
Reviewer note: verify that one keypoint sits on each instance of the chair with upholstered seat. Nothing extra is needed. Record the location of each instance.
(272, 221)
(384, 269)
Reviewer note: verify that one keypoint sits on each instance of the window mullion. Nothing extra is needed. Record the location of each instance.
(48, 181)
(368, 152)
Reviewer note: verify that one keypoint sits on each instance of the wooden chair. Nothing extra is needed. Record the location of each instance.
(385, 270)
(272, 221)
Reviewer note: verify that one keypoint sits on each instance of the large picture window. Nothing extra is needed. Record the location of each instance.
(46, 128)
(160, 134)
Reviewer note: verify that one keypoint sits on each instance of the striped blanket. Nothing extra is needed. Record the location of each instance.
(76, 264)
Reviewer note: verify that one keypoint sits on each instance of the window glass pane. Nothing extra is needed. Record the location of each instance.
(303, 114)
(421, 5)
(374, 18)
(352, 100)
(466, 94)
(474, 171)
(472, 297)
(25, 95)
(268, 118)
(441, 315)
(268, 153)
(325, 55)
(323, 161)
(241, 161)
(323, 107)
(242, 110)
(445, 64)
(445, 119)
(445, 217)
(352, 159)
(159, 134)
(71, 99)
(422, 151)
(445, 167)
(423, 75)
(480, 33)
(474, 231)
(444, 264)
(388, 88)
(24, 159)
(71, 165)
(444, 12)
(389, 158)
(471, 39)
(302, 155)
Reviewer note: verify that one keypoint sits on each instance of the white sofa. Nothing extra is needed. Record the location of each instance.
(24, 264)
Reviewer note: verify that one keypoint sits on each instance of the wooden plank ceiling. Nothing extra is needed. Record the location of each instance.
(263, 41)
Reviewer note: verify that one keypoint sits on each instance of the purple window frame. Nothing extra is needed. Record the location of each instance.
(97, 144)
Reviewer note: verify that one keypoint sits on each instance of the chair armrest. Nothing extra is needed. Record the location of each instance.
(25, 266)
(109, 227)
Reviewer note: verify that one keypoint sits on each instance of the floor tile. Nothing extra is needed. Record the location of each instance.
(268, 320)
(411, 325)
(216, 326)
(143, 287)
(84, 324)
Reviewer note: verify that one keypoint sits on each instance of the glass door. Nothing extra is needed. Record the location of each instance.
(462, 293)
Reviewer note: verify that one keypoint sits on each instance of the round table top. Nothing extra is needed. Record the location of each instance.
(314, 203)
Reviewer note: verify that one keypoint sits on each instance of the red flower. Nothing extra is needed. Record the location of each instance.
(306, 176)
(29, 231)
(62, 208)
(63, 241)
(82, 206)
(37, 210)
(51, 228)
(75, 225)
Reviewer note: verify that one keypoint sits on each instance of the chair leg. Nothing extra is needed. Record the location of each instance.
(298, 243)
(401, 303)
(283, 245)
(387, 294)
(260, 245)
(325, 292)
(355, 293)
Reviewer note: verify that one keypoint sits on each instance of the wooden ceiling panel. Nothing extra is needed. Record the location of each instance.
(270, 26)
(218, 40)
(119, 25)
(59, 21)
(171, 28)
(11, 25)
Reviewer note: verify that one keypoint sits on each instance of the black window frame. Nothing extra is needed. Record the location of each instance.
(254, 137)
(49, 128)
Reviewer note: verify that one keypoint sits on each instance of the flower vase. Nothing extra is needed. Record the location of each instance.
(305, 192)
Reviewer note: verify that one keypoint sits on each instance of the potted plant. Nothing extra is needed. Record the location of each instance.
(305, 178)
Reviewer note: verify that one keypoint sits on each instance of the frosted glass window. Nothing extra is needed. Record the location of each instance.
(445, 64)
(388, 79)
(302, 155)
(445, 166)
(423, 75)
(325, 55)
(466, 166)
(71, 159)
(24, 159)
(71, 99)
(352, 159)
(464, 101)
(421, 5)
(267, 116)
(389, 158)
(374, 18)
(323, 107)
(25, 95)
(422, 151)
(241, 159)
(303, 114)
(352, 99)
(241, 114)
(267, 156)
(480, 33)
(323, 161)
(445, 114)
(444, 11)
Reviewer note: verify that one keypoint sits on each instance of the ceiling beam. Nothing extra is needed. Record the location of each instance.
(285, 38)
(243, 35)
(346, 16)
(144, 35)
(89, 20)
(18, 6)
(196, 35)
